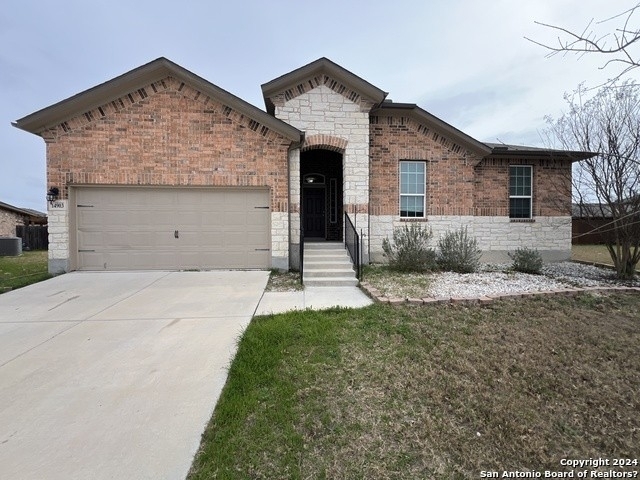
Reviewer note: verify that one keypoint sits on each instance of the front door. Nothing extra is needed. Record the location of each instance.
(313, 215)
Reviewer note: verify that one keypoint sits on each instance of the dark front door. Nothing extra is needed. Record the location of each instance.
(313, 215)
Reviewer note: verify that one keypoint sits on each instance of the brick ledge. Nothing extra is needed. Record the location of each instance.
(485, 300)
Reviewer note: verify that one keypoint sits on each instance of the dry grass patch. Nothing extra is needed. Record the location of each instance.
(392, 283)
(592, 254)
(283, 282)
(430, 392)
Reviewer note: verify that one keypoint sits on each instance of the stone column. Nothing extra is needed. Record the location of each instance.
(58, 226)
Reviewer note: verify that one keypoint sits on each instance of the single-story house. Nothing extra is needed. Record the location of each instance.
(12, 217)
(161, 169)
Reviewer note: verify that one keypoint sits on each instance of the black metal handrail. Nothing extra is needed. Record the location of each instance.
(352, 243)
(301, 250)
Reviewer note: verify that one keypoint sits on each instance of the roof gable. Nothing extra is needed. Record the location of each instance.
(22, 211)
(132, 81)
(320, 72)
(439, 129)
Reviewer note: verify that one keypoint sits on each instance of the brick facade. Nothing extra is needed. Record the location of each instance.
(176, 136)
(171, 135)
(450, 175)
(458, 183)
(551, 186)
(8, 221)
(465, 190)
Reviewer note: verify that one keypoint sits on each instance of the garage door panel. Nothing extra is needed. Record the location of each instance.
(159, 217)
(118, 240)
(90, 260)
(232, 239)
(257, 258)
(232, 218)
(187, 219)
(213, 219)
(231, 259)
(136, 217)
(193, 240)
(258, 238)
(151, 198)
(209, 239)
(140, 260)
(90, 240)
(140, 240)
(125, 228)
(258, 217)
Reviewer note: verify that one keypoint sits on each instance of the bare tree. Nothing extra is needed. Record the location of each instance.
(617, 44)
(608, 184)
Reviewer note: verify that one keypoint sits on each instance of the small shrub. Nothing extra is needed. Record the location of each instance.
(409, 251)
(459, 252)
(526, 260)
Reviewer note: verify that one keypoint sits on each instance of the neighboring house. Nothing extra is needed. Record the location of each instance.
(11, 217)
(159, 168)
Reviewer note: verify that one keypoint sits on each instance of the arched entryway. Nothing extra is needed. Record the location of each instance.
(321, 187)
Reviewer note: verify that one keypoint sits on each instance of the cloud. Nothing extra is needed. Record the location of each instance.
(465, 61)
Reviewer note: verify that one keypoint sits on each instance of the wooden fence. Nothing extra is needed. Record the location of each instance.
(590, 231)
(34, 237)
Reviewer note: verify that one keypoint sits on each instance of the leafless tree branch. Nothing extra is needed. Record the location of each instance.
(618, 42)
(608, 184)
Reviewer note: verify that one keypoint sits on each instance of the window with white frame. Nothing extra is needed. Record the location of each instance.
(412, 189)
(520, 191)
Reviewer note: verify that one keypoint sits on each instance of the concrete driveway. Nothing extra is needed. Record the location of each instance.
(115, 375)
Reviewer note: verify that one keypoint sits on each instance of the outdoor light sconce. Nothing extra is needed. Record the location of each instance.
(314, 178)
(52, 194)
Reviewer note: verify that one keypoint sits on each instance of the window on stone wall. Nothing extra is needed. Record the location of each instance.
(520, 191)
(412, 189)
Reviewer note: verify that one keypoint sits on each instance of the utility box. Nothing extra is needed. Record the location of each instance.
(10, 246)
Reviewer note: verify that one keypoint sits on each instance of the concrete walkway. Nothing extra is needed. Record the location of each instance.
(314, 298)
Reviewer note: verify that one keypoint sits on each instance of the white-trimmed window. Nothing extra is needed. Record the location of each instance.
(520, 191)
(412, 189)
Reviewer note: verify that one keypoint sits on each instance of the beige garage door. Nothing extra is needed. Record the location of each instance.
(131, 228)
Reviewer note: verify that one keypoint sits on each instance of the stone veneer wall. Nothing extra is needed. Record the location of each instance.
(58, 219)
(330, 119)
(166, 133)
(496, 235)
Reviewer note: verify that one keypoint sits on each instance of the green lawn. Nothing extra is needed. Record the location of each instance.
(28, 268)
(429, 392)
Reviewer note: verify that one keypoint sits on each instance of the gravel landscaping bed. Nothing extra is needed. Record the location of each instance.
(582, 275)
(497, 279)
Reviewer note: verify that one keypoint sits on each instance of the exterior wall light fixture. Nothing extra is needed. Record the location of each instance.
(52, 194)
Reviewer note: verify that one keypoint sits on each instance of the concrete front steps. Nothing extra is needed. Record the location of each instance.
(327, 264)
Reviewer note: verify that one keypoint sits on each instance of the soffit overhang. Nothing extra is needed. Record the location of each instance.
(503, 150)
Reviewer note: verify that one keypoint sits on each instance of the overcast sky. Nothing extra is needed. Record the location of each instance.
(465, 61)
